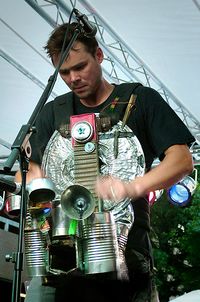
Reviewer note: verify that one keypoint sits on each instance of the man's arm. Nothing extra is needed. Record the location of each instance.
(176, 164)
(34, 171)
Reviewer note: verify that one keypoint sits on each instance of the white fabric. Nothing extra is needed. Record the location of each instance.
(164, 34)
(193, 296)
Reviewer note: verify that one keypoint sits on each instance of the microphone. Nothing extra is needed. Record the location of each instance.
(39, 189)
(8, 185)
(89, 29)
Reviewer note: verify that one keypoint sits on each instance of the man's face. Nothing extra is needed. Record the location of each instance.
(81, 71)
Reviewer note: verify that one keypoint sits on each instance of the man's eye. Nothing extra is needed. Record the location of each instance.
(64, 72)
(80, 67)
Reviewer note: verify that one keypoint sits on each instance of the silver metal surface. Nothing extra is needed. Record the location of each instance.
(13, 204)
(58, 162)
(58, 159)
(77, 202)
(97, 246)
(122, 158)
(62, 225)
(41, 190)
(36, 249)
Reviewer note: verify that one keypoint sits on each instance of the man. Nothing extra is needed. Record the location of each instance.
(158, 129)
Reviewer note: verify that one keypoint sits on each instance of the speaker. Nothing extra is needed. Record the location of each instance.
(77, 202)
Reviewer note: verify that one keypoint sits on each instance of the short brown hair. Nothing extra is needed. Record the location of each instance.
(56, 39)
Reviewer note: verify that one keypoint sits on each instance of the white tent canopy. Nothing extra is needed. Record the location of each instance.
(193, 296)
(163, 36)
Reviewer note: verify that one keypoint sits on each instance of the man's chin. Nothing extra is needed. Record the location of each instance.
(81, 95)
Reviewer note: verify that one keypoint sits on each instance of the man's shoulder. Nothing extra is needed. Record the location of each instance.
(145, 94)
(129, 86)
(137, 87)
(59, 100)
(63, 98)
(142, 91)
(62, 107)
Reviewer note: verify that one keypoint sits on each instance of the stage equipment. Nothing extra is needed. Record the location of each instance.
(96, 239)
(181, 193)
(41, 192)
(2, 203)
(102, 225)
(154, 196)
(88, 29)
(21, 150)
(12, 204)
(77, 202)
(36, 239)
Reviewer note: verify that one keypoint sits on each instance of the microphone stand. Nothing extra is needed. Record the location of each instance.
(21, 149)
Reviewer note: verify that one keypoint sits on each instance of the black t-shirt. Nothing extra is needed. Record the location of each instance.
(152, 120)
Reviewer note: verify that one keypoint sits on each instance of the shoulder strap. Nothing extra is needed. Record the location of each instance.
(63, 109)
(132, 101)
(118, 108)
(63, 105)
(131, 104)
(126, 89)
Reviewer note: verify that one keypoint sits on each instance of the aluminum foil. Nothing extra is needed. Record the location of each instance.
(58, 158)
(120, 155)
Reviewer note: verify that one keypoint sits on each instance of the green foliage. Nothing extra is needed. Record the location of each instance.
(175, 236)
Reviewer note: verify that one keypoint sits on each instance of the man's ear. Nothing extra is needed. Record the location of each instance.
(99, 55)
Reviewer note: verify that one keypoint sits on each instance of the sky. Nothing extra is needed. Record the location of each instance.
(165, 35)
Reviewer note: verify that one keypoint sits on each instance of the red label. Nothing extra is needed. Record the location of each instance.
(89, 118)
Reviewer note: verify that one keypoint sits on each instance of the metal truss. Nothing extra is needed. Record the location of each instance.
(23, 70)
(7, 223)
(121, 64)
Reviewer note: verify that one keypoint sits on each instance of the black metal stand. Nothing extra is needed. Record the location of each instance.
(18, 257)
(21, 150)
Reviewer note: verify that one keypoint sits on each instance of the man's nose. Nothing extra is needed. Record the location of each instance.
(74, 76)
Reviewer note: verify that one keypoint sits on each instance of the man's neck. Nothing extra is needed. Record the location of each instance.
(100, 95)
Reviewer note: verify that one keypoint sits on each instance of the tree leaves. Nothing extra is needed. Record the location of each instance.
(175, 235)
